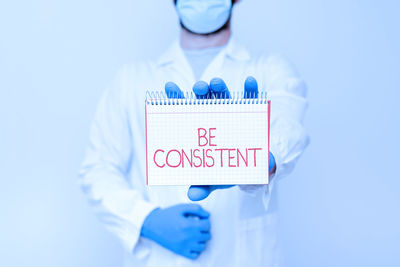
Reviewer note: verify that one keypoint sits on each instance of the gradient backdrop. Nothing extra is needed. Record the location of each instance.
(339, 208)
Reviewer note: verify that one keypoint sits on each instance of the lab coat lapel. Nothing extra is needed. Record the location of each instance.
(232, 51)
(176, 60)
(214, 68)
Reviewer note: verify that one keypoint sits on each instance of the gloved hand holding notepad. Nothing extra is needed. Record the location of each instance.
(213, 138)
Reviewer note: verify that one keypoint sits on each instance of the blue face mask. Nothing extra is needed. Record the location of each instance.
(204, 16)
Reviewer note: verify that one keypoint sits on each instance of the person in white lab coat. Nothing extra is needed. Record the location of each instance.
(242, 219)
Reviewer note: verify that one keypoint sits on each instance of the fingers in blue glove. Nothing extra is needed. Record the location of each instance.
(199, 247)
(201, 90)
(173, 91)
(204, 226)
(250, 88)
(183, 229)
(219, 88)
(190, 210)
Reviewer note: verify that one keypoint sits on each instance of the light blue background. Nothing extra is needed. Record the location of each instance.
(339, 208)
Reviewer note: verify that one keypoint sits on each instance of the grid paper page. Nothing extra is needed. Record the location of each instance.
(207, 144)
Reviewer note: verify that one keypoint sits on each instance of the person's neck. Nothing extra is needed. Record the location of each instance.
(191, 41)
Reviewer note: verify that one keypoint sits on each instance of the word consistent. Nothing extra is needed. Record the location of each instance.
(206, 155)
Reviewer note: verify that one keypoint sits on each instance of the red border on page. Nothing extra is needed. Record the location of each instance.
(145, 123)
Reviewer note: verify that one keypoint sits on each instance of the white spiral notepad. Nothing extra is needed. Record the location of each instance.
(207, 141)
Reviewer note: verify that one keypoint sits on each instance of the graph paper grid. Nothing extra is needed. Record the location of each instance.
(173, 128)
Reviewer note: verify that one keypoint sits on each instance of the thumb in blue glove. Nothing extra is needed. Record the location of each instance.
(200, 192)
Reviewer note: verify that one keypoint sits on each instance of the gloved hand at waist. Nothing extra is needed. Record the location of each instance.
(183, 229)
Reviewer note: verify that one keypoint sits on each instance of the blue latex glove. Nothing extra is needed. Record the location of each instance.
(216, 89)
(183, 229)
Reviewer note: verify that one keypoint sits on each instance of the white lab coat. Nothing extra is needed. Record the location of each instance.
(243, 219)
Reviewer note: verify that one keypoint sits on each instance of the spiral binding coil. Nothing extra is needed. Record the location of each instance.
(189, 98)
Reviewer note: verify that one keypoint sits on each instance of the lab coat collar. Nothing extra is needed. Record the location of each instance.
(232, 50)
